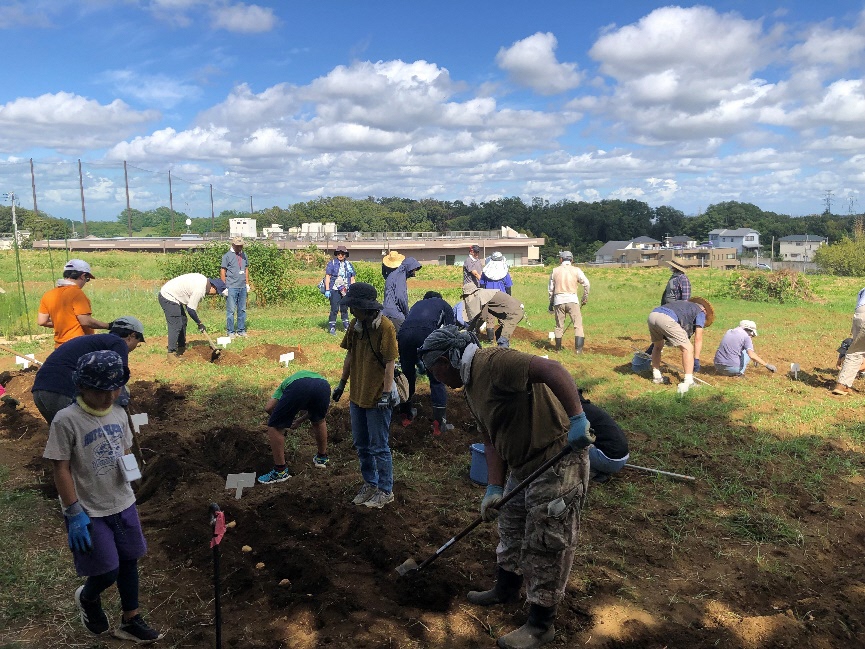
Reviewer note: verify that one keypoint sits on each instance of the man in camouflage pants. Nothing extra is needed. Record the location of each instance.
(528, 409)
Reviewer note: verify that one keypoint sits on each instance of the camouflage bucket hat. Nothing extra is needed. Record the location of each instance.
(101, 370)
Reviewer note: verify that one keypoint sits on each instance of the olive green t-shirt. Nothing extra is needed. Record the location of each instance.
(525, 421)
(366, 374)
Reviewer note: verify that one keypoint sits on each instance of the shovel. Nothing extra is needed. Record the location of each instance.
(20, 355)
(214, 350)
(217, 523)
(410, 565)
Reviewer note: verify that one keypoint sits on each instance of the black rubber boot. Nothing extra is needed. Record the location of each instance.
(536, 632)
(558, 344)
(491, 335)
(579, 341)
(507, 588)
(440, 423)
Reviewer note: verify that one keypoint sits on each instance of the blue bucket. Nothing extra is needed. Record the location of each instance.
(642, 363)
(478, 472)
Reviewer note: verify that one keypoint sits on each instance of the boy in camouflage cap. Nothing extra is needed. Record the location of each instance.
(86, 443)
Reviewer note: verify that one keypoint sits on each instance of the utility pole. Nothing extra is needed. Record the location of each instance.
(827, 201)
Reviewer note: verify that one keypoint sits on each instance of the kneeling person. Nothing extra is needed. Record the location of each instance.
(302, 391)
(737, 350)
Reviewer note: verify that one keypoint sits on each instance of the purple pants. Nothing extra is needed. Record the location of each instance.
(115, 538)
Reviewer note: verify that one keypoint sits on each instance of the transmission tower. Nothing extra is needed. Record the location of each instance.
(827, 201)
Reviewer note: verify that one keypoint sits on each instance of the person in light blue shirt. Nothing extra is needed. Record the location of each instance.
(234, 272)
(737, 350)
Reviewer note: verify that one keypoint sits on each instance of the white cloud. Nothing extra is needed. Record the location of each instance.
(68, 123)
(152, 90)
(242, 18)
(839, 48)
(532, 62)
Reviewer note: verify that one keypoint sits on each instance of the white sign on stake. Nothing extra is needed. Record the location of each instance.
(239, 481)
(24, 361)
(286, 358)
(223, 340)
(794, 370)
(139, 420)
(552, 335)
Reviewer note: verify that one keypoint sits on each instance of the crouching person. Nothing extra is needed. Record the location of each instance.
(302, 391)
(528, 409)
(85, 444)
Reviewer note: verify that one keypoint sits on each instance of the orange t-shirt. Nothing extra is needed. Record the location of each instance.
(64, 304)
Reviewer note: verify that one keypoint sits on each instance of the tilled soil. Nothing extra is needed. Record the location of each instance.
(656, 579)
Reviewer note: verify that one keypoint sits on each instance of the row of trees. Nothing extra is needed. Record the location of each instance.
(576, 225)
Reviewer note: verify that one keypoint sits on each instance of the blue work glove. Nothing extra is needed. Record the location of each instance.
(490, 503)
(337, 391)
(696, 365)
(579, 436)
(327, 294)
(79, 535)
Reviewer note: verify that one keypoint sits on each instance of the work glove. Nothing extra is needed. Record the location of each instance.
(579, 435)
(386, 401)
(201, 327)
(79, 535)
(327, 294)
(490, 503)
(584, 301)
(337, 391)
(696, 365)
(771, 368)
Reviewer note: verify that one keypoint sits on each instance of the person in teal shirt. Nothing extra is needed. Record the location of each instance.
(306, 392)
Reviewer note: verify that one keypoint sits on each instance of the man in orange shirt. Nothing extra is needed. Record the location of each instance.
(66, 308)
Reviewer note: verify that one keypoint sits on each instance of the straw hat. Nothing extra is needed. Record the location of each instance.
(675, 266)
(496, 268)
(392, 259)
(710, 310)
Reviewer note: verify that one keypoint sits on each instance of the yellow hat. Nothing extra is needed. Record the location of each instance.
(392, 259)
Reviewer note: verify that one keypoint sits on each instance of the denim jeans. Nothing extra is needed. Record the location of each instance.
(409, 342)
(370, 430)
(732, 370)
(236, 302)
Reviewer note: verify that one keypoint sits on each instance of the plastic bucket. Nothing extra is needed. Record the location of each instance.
(642, 363)
(478, 472)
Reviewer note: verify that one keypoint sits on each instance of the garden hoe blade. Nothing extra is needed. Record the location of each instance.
(214, 350)
(407, 566)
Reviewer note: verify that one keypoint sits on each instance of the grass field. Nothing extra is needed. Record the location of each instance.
(778, 462)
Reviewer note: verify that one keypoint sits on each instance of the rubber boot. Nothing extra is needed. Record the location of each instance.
(507, 588)
(558, 344)
(491, 335)
(440, 424)
(536, 632)
(579, 341)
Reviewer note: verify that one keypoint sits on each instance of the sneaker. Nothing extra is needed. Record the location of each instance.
(379, 499)
(366, 492)
(274, 476)
(138, 631)
(241, 334)
(92, 615)
(663, 380)
(332, 330)
(345, 324)
(320, 461)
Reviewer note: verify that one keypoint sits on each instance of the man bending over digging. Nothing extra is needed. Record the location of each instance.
(301, 391)
(528, 409)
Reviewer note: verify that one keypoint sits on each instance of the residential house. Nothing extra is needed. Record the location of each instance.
(649, 252)
(681, 241)
(740, 239)
(800, 247)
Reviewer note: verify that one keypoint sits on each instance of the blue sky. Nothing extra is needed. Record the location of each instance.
(683, 105)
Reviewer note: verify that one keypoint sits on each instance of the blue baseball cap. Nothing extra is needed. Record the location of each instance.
(101, 370)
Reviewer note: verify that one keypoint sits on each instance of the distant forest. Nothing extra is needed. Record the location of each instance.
(578, 226)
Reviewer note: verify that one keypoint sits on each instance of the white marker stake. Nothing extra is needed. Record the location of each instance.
(223, 340)
(552, 336)
(794, 370)
(139, 420)
(286, 358)
(24, 361)
(544, 356)
(239, 481)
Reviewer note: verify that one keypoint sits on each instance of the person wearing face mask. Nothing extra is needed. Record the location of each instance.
(371, 353)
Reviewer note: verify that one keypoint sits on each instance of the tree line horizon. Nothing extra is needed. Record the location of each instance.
(579, 226)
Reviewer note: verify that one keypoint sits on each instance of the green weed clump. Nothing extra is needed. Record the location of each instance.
(847, 257)
(781, 286)
(271, 271)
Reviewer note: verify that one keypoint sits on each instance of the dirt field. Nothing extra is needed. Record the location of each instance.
(657, 579)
